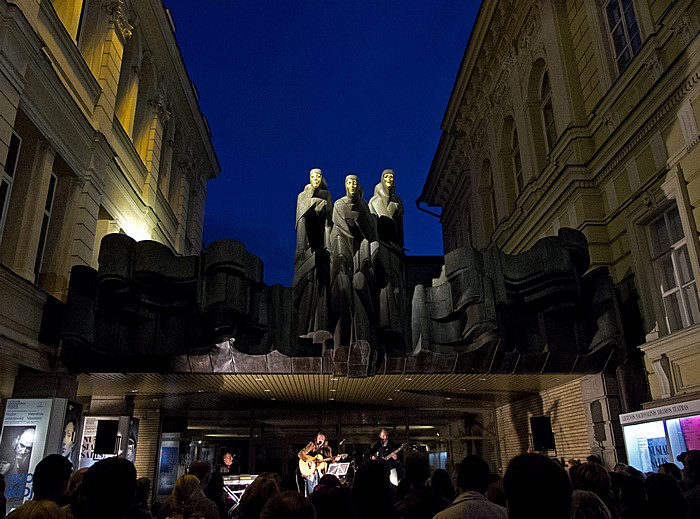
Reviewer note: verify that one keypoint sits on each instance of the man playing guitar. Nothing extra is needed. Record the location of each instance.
(387, 451)
(313, 458)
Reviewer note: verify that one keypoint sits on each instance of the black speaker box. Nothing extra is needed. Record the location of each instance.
(106, 436)
(542, 436)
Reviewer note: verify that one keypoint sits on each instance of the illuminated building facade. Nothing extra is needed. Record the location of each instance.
(585, 114)
(100, 132)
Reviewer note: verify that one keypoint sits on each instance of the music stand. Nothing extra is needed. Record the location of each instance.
(338, 469)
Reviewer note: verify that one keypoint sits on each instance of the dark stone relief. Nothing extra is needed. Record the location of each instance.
(147, 310)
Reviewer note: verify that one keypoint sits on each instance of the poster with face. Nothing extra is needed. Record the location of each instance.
(22, 445)
(68, 446)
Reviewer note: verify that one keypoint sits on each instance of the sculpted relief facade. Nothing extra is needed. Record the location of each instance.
(348, 311)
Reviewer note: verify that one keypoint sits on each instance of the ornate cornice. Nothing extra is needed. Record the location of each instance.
(684, 30)
(655, 66)
(159, 107)
(659, 114)
(117, 16)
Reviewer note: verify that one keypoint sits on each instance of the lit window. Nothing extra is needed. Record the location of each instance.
(624, 31)
(550, 130)
(8, 176)
(674, 273)
(517, 163)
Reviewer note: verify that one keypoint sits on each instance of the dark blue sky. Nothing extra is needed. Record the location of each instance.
(350, 87)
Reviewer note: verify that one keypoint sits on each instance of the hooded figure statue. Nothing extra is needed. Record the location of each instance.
(311, 282)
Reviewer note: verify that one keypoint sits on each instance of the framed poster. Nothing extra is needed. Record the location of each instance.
(22, 443)
(70, 445)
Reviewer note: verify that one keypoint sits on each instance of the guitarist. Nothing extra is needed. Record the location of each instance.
(388, 451)
(316, 449)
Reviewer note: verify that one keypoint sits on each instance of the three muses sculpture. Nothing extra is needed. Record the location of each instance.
(349, 278)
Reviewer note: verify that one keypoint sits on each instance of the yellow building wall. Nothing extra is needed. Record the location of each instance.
(564, 406)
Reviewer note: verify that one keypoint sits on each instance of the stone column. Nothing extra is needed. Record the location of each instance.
(30, 214)
(151, 148)
(601, 400)
(111, 61)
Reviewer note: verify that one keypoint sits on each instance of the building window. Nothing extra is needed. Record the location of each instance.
(550, 130)
(517, 163)
(45, 220)
(8, 176)
(624, 31)
(673, 270)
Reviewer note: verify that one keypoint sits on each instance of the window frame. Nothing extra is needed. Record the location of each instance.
(45, 223)
(549, 126)
(678, 292)
(631, 39)
(8, 178)
(516, 161)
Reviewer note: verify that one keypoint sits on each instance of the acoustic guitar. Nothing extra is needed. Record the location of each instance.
(318, 462)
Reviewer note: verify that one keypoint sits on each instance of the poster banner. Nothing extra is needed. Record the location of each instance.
(22, 444)
(69, 432)
(133, 440)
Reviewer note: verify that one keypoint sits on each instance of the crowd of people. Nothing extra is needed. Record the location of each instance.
(533, 486)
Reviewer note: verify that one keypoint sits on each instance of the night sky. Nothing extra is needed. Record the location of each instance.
(349, 87)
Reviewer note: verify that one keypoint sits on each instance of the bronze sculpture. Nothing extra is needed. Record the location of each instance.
(353, 244)
(389, 264)
(312, 260)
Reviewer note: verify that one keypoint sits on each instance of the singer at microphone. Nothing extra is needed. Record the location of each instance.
(313, 460)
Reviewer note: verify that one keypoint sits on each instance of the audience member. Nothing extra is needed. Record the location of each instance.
(635, 473)
(39, 509)
(593, 477)
(329, 480)
(288, 505)
(371, 491)
(691, 462)
(593, 458)
(495, 493)
(186, 499)
(665, 497)
(628, 497)
(441, 483)
(109, 487)
(256, 496)
(421, 502)
(587, 505)
(200, 469)
(215, 491)
(472, 481)
(140, 510)
(76, 508)
(672, 470)
(620, 468)
(536, 486)
(50, 480)
(50, 483)
(332, 501)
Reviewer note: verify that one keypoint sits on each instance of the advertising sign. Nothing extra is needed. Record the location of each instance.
(22, 443)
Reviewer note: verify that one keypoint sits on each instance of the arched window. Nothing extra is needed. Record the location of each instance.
(517, 162)
(550, 130)
(624, 31)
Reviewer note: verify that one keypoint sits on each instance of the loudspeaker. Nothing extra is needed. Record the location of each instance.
(106, 437)
(542, 436)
